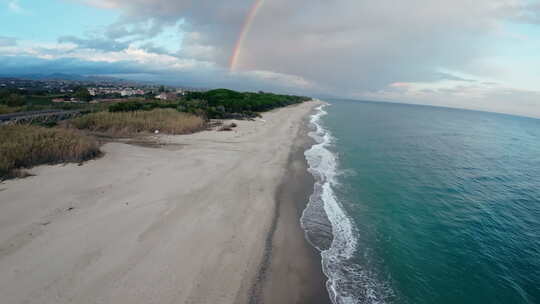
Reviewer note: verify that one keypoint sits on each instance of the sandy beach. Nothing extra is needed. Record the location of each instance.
(210, 217)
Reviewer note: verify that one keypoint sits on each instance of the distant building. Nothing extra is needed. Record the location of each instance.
(127, 92)
(167, 96)
(58, 100)
(131, 92)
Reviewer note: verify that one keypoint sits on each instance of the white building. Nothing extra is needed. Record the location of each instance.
(127, 92)
(166, 96)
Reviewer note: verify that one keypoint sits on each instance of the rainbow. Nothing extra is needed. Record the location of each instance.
(245, 30)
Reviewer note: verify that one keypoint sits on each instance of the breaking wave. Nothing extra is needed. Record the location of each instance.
(329, 229)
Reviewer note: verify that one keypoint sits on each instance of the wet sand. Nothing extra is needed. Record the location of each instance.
(294, 273)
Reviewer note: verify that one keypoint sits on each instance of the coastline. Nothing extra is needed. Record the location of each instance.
(183, 223)
(291, 269)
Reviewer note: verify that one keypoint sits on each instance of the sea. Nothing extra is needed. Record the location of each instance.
(420, 204)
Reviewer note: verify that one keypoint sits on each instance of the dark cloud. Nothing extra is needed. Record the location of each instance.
(352, 45)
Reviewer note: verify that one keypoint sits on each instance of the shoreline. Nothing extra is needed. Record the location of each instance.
(183, 223)
(291, 270)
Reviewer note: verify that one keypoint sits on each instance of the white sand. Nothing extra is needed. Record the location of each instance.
(185, 223)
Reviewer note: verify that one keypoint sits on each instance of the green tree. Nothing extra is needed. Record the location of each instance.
(4, 94)
(13, 100)
(222, 103)
(82, 94)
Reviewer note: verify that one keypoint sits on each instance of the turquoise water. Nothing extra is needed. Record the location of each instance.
(426, 205)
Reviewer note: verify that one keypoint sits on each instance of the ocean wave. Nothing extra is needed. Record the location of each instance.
(325, 216)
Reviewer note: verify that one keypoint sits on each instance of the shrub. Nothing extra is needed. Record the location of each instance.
(223, 103)
(24, 146)
(13, 100)
(6, 110)
(126, 106)
(167, 121)
(130, 106)
(82, 94)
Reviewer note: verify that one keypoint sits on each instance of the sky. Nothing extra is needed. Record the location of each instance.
(481, 54)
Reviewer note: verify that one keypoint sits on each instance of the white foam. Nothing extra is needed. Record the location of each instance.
(323, 165)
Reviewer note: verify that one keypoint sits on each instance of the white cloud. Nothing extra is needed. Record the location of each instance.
(484, 96)
(100, 3)
(15, 7)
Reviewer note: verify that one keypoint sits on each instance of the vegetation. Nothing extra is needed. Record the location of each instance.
(221, 103)
(167, 121)
(16, 98)
(82, 94)
(130, 106)
(24, 146)
(6, 109)
(11, 99)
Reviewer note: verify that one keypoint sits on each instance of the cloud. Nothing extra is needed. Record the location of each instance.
(21, 65)
(151, 47)
(136, 29)
(525, 12)
(415, 49)
(123, 34)
(449, 76)
(7, 41)
(144, 66)
(15, 7)
(485, 96)
(100, 3)
(349, 44)
(108, 45)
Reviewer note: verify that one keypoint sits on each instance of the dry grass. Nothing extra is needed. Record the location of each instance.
(167, 121)
(6, 110)
(24, 146)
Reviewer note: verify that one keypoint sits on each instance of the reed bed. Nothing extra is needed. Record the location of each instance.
(24, 146)
(166, 121)
(6, 110)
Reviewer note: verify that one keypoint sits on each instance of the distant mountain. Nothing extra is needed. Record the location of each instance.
(92, 79)
(63, 76)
